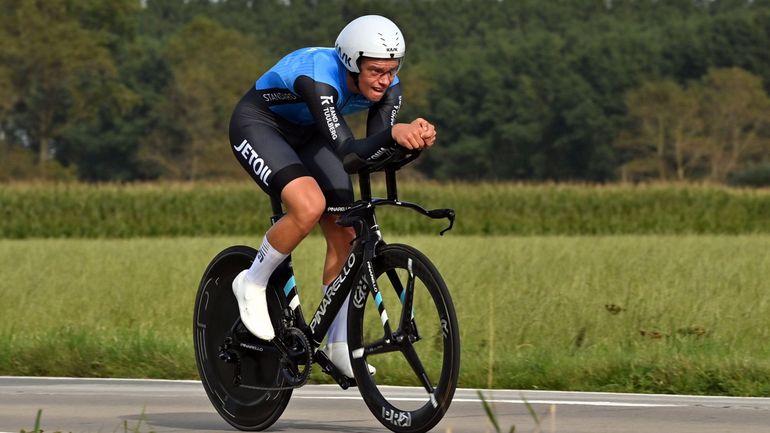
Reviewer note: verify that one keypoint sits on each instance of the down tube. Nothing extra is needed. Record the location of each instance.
(335, 296)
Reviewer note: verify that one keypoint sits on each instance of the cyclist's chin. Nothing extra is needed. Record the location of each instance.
(373, 95)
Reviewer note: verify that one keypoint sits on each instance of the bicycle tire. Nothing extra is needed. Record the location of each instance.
(216, 314)
(438, 348)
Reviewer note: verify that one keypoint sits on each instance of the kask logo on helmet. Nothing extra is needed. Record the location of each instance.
(344, 57)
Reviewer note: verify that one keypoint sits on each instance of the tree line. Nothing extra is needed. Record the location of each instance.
(588, 90)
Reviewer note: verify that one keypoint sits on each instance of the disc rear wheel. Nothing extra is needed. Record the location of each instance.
(229, 373)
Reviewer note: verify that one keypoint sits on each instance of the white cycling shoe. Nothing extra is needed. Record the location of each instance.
(252, 303)
(338, 355)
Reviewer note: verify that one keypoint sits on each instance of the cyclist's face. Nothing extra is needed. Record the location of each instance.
(376, 76)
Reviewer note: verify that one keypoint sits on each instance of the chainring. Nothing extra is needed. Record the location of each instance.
(296, 361)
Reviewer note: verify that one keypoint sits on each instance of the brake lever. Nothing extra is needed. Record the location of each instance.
(443, 213)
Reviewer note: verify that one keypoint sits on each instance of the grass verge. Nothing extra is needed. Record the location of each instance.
(670, 314)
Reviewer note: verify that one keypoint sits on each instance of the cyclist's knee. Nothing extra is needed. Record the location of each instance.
(306, 216)
(305, 203)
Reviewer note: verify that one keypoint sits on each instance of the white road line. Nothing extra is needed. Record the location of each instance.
(463, 395)
(472, 400)
(573, 402)
(100, 379)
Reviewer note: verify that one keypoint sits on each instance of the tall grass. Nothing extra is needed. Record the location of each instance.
(687, 314)
(78, 210)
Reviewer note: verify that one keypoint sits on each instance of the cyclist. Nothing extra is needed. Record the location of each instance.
(288, 133)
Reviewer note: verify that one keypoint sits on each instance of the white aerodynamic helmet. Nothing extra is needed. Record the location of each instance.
(369, 36)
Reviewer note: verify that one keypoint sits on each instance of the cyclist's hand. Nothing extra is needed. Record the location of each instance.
(408, 135)
(428, 131)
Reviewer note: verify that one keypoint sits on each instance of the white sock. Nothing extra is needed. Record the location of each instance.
(338, 331)
(268, 258)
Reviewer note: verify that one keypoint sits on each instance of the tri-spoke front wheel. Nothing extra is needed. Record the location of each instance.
(408, 331)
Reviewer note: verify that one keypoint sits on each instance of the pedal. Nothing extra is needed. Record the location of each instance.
(328, 367)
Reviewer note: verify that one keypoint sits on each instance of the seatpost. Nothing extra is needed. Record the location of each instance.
(364, 185)
(390, 184)
(275, 202)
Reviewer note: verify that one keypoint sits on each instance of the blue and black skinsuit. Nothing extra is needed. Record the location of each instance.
(290, 125)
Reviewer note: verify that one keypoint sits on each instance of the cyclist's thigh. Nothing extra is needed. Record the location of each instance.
(327, 169)
(264, 153)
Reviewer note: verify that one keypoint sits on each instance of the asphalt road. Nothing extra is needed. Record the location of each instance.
(144, 406)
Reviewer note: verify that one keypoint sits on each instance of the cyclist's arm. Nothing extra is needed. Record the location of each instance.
(383, 114)
(417, 134)
(355, 154)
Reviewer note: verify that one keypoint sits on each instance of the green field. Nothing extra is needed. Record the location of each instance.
(685, 314)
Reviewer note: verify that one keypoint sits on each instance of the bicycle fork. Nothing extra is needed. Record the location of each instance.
(407, 327)
(406, 334)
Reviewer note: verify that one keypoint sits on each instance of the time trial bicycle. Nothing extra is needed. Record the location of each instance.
(250, 381)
